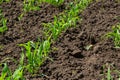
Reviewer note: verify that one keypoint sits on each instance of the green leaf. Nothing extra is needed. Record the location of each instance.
(5, 71)
(18, 74)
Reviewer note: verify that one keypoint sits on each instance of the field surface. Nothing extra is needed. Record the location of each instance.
(82, 52)
(72, 61)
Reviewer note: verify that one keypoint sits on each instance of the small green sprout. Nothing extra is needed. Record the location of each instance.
(54, 2)
(7, 74)
(33, 5)
(3, 28)
(29, 5)
(109, 77)
(18, 74)
(110, 73)
(3, 22)
(115, 35)
(1, 1)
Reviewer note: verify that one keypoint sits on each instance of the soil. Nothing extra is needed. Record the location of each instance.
(72, 61)
(29, 28)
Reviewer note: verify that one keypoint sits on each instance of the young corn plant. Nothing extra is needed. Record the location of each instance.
(1, 1)
(7, 74)
(54, 2)
(33, 5)
(36, 54)
(29, 5)
(115, 35)
(108, 75)
(3, 23)
(3, 28)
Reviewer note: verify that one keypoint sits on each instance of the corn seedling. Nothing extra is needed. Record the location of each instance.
(4, 27)
(109, 77)
(36, 54)
(7, 74)
(33, 5)
(111, 73)
(54, 2)
(1, 1)
(3, 22)
(29, 5)
(18, 73)
(115, 35)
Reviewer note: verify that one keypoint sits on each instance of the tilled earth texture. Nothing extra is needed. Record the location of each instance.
(29, 28)
(74, 59)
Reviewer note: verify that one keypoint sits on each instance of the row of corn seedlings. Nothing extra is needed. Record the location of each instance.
(33, 5)
(66, 20)
(115, 36)
(37, 52)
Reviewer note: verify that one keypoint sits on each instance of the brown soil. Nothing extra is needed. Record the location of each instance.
(72, 61)
(29, 28)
